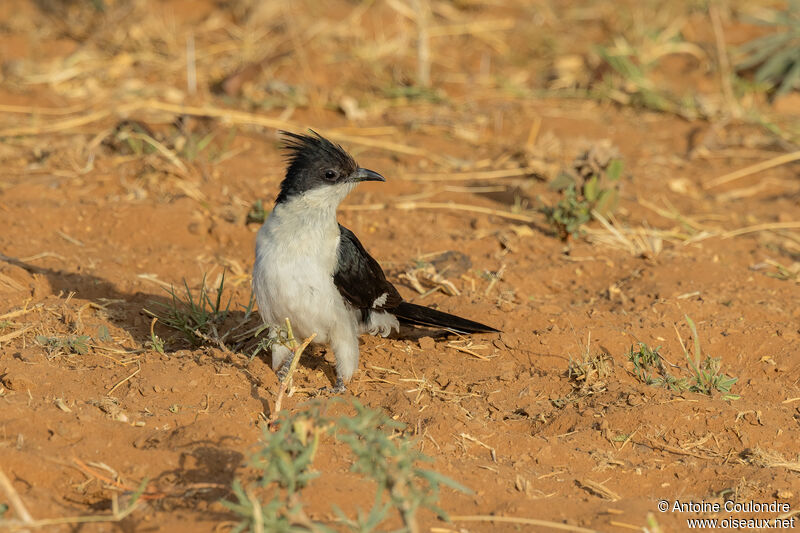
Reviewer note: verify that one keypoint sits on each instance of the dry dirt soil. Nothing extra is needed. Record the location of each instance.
(136, 138)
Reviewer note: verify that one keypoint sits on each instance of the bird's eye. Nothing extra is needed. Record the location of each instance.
(331, 175)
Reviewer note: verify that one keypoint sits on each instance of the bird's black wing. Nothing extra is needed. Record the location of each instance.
(359, 277)
(362, 283)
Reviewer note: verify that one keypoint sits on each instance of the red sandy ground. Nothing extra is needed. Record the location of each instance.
(191, 416)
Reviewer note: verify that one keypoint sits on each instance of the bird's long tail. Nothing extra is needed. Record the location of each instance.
(419, 315)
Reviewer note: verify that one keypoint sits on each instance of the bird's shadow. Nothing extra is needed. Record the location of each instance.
(127, 312)
(205, 473)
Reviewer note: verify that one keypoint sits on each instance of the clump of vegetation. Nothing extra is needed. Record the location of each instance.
(198, 317)
(648, 367)
(381, 452)
(706, 369)
(591, 368)
(586, 374)
(629, 84)
(705, 377)
(73, 344)
(783, 273)
(590, 186)
(775, 56)
(184, 140)
(194, 317)
(628, 79)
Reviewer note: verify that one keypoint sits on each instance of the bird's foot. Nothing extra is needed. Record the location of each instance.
(338, 388)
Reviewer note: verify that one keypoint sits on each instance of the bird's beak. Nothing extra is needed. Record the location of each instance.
(363, 174)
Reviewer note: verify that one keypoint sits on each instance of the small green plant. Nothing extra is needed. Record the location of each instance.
(156, 342)
(591, 185)
(706, 369)
(775, 56)
(189, 144)
(279, 335)
(570, 214)
(381, 453)
(192, 144)
(648, 360)
(783, 273)
(196, 317)
(257, 213)
(629, 84)
(103, 334)
(628, 79)
(129, 137)
(77, 344)
(648, 367)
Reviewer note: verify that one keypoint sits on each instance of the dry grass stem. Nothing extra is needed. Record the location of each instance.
(409, 206)
(770, 459)
(14, 334)
(29, 110)
(523, 521)
(468, 350)
(492, 451)
(124, 380)
(671, 449)
(425, 385)
(427, 274)
(497, 276)
(671, 214)
(423, 15)
(163, 150)
(286, 382)
(26, 521)
(724, 61)
(752, 169)
(769, 226)
(600, 490)
(229, 116)
(626, 526)
(14, 499)
(639, 242)
(478, 175)
(63, 125)
(20, 312)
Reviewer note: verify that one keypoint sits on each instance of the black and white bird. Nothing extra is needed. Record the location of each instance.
(315, 272)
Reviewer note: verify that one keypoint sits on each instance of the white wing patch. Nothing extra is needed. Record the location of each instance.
(380, 301)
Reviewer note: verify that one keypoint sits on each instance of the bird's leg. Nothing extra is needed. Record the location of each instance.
(344, 344)
(282, 358)
(283, 371)
(345, 350)
(338, 388)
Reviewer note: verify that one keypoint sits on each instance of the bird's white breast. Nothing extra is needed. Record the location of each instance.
(296, 255)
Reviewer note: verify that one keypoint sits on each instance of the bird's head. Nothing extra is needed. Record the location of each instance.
(317, 166)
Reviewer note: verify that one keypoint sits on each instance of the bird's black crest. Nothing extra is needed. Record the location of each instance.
(308, 158)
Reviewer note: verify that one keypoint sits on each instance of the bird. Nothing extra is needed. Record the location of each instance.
(315, 272)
